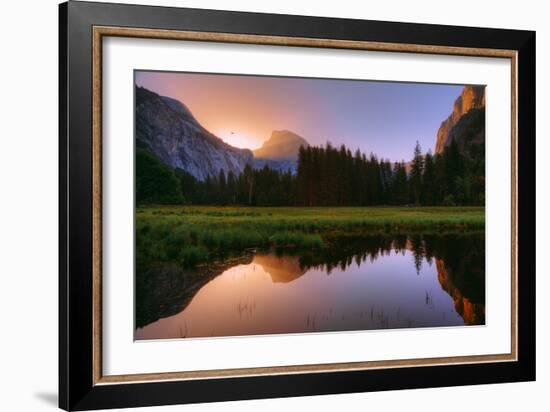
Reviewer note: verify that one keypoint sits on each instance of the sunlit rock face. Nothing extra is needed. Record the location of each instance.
(167, 129)
(466, 123)
(472, 313)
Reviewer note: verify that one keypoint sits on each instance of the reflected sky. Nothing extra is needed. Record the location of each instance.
(275, 294)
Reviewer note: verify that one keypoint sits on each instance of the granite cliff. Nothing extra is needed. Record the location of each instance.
(466, 123)
(166, 128)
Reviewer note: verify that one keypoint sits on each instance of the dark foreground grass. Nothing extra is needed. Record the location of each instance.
(190, 235)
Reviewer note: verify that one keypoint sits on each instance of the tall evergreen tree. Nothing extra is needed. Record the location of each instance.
(155, 182)
(248, 177)
(303, 176)
(429, 188)
(222, 193)
(417, 169)
(231, 188)
(454, 168)
(400, 184)
(440, 190)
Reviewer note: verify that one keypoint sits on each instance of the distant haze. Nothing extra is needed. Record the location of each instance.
(386, 118)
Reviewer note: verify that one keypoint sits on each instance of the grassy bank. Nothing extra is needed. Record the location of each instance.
(192, 234)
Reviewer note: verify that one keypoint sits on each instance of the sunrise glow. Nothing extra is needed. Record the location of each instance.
(381, 117)
(237, 138)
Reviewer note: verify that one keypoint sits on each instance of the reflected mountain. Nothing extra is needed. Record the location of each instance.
(472, 312)
(165, 290)
(281, 269)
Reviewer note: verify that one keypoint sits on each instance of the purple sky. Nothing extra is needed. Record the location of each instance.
(385, 118)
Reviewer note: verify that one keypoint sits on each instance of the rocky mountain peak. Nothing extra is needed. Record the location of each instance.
(282, 144)
(472, 99)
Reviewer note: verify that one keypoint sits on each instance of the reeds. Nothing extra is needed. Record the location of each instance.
(192, 235)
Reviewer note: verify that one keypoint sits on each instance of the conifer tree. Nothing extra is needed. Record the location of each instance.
(417, 169)
(428, 180)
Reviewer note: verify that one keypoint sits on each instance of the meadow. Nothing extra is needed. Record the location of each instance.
(191, 235)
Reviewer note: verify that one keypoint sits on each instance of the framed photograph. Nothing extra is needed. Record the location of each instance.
(257, 205)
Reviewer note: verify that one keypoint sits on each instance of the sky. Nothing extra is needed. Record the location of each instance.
(384, 118)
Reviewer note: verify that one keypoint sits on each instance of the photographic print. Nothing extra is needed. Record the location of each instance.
(270, 205)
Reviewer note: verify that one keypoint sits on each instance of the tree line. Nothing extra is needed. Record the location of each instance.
(326, 176)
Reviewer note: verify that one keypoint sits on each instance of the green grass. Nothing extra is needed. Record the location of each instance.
(191, 234)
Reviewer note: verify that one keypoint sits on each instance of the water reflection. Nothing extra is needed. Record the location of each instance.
(370, 283)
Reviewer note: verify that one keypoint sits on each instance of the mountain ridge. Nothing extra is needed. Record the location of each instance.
(167, 128)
